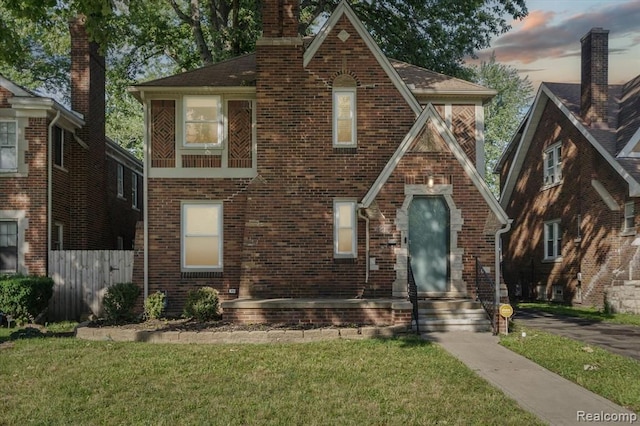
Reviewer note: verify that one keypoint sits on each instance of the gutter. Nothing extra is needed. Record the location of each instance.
(499, 232)
(50, 183)
(366, 219)
(145, 199)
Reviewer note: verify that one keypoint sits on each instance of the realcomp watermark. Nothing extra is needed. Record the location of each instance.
(585, 416)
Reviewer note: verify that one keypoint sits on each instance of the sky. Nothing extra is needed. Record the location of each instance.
(545, 46)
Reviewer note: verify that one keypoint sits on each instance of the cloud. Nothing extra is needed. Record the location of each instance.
(540, 37)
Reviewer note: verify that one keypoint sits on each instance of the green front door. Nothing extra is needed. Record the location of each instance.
(429, 243)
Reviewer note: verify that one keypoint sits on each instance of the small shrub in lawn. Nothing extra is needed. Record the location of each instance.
(154, 305)
(24, 297)
(119, 301)
(202, 304)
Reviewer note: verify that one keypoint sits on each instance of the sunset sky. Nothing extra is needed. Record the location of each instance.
(545, 46)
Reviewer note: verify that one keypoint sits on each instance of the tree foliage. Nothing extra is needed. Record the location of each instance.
(143, 39)
(504, 113)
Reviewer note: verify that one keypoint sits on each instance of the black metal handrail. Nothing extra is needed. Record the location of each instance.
(485, 293)
(412, 290)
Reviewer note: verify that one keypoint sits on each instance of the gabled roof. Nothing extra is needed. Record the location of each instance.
(605, 140)
(629, 118)
(429, 113)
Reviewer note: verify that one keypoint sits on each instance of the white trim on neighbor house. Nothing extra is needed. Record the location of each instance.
(429, 113)
(134, 190)
(120, 180)
(343, 8)
(9, 150)
(20, 217)
(543, 96)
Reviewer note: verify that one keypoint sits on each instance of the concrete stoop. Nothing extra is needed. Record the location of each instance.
(452, 315)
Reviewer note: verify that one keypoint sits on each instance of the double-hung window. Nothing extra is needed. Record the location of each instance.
(134, 190)
(202, 121)
(344, 112)
(8, 146)
(345, 233)
(201, 236)
(58, 146)
(120, 179)
(629, 216)
(553, 164)
(552, 240)
(8, 246)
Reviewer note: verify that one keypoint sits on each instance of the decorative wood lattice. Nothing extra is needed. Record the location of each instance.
(163, 133)
(200, 161)
(464, 128)
(429, 140)
(240, 133)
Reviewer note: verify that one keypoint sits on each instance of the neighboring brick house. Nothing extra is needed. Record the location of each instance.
(59, 174)
(293, 179)
(571, 180)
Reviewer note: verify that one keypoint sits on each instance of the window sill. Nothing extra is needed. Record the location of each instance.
(11, 173)
(552, 260)
(61, 168)
(120, 197)
(631, 232)
(550, 185)
(134, 208)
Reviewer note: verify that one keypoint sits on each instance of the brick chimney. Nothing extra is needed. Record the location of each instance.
(88, 98)
(280, 18)
(594, 92)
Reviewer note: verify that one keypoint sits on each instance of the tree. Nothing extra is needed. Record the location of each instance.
(505, 111)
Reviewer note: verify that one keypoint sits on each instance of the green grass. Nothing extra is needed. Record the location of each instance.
(374, 382)
(614, 377)
(583, 312)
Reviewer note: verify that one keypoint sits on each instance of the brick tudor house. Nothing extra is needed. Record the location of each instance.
(298, 179)
(570, 178)
(63, 184)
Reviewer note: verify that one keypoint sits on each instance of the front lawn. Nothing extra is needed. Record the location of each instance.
(582, 312)
(610, 375)
(398, 381)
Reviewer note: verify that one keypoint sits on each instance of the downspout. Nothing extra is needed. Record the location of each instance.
(50, 184)
(145, 198)
(499, 232)
(366, 219)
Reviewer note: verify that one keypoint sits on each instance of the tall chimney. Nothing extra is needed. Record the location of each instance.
(594, 91)
(280, 18)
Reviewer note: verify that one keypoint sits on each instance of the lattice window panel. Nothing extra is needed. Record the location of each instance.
(163, 133)
(240, 116)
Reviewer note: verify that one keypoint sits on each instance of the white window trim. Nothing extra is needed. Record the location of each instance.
(354, 220)
(23, 225)
(134, 190)
(202, 268)
(15, 147)
(217, 101)
(629, 213)
(553, 177)
(557, 240)
(351, 92)
(120, 179)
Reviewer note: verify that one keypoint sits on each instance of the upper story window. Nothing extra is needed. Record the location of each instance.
(134, 190)
(553, 164)
(345, 235)
(58, 146)
(344, 112)
(120, 179)
(201, 236)
(202, 121)
(552, 240)
(8, 146)
(629, 216)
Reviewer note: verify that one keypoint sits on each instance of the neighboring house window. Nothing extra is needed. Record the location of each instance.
(58, 146)
(629, 216)
(120, 169)
(57, 236)
(344, 112)
(134, 190)
(553, 164)
(345, 235)
(201, 236)
(8, 146)
(120, 243)
(202, 121)
(8, 246)
(552, 240)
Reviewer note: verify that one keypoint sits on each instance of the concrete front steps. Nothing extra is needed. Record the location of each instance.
(451, 315)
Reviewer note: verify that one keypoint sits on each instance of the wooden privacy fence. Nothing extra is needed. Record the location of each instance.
(81, 278)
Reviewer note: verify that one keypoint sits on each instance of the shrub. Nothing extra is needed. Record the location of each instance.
(119, 301)
(24, 297)
(202, 304)
(154, 305)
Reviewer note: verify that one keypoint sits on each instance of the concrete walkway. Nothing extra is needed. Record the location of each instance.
(621, 339)
(552, 398)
